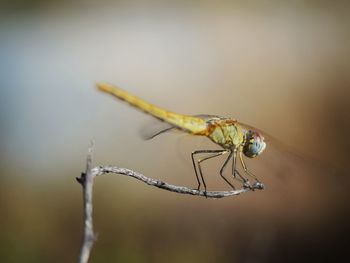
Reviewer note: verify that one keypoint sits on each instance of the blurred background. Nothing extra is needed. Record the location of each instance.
(281, 66)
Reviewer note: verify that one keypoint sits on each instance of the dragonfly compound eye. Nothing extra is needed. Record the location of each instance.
(254, 144)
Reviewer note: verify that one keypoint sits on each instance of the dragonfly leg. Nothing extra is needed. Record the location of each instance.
(235, 171)
(215, 154)
(222, 170)
(258, 184)
(245, 167)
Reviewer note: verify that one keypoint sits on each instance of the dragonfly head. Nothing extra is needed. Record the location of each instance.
(254, 144)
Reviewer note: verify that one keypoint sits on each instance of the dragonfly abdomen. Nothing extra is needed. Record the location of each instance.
(190, 124)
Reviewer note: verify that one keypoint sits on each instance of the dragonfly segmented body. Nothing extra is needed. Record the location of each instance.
(234, 138)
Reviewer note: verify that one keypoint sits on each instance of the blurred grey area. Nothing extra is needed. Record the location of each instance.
(280, 66)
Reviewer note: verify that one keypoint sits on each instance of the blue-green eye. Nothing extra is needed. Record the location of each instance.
(254, 144)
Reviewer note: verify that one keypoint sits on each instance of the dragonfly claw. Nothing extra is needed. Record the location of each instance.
(256, 186)
(259, 186)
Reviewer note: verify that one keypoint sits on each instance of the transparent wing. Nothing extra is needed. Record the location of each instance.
(287, 164)
(208, 117)
(155, 128)
(274, 142)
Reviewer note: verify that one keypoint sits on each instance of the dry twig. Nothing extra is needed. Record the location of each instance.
(86, 180)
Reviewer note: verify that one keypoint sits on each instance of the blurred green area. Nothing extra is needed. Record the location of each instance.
(281, 67)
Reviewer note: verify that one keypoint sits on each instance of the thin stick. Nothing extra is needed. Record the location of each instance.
(86, 180)
(163, 185)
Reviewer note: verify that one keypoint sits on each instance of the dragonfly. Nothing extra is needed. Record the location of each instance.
(237, 140)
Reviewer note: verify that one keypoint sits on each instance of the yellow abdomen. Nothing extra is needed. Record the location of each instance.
(190, 124)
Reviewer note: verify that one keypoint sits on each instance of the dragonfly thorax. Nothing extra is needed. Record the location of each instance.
(226, 133)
